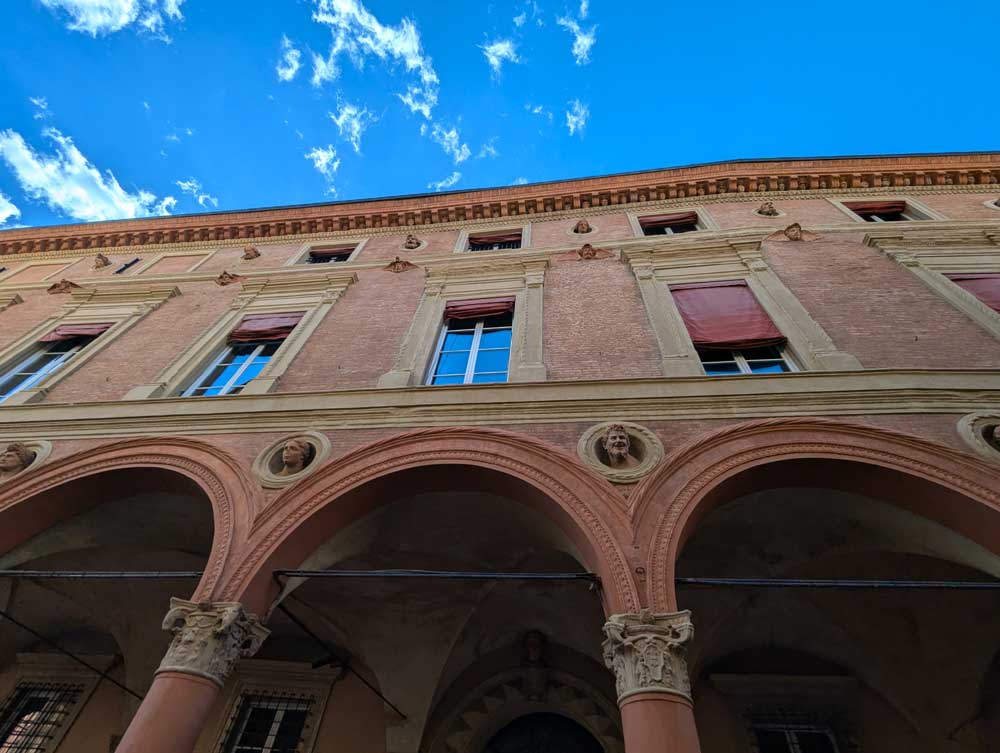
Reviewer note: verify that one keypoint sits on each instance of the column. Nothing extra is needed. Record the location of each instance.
(209, 638)
(647, 653)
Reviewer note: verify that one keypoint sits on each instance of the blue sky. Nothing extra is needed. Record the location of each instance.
(129, 108)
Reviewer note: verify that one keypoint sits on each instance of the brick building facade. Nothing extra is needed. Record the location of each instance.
(581, 397)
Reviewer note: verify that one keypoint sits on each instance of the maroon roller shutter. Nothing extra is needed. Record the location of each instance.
(724, 315)
(876, 207)
(479, 308)
(484, 239)
(984, 285)
(668, 220)
(265, 327)
(69, 331)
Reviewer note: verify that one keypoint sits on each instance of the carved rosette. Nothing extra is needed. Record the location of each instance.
(647, 652)
(209, 638)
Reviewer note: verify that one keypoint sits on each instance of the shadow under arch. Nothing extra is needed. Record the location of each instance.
(584, 506)
(929, 480)
(46, 496)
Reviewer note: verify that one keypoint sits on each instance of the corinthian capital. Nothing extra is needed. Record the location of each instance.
(209, 637)
(646, 652)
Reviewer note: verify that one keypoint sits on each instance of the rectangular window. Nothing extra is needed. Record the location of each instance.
(669, 224)
(34, 714)
(267, 724)
(772, 359)
(250, 348)
(495, 241)
(880, 211)
(983, 285)
(50, 354)
(793, 738)
(474, 346)
(328, 254)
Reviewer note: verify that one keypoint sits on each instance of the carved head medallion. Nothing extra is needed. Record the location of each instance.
(101, 261)
(290, 459)
(15, 459)
(620, 450)
(767, 210)
(250, 252)
(411, 242)
(582, 227)
(296, 454)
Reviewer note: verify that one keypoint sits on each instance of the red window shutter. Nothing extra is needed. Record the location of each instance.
(491, 238)
(265, 327)
(69, 331)
(984, 285)
(322, 252)
(724, 315)
(668, 220)
(479, 308)
(876, 207)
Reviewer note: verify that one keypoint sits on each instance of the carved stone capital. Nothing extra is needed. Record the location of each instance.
(647, 652)
(209, 638)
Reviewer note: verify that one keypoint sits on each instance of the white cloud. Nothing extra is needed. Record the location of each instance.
(497, 51)
(324, 69)
(539, 110)
(145, 105)
(519, 181)
(582, 40)
(41, 107)
(7, 210)
(71, 184)
(488, 150)
(291, 60)
(584, 8)
(352, 122)
(327, 163)
(446, 182)
(193, 187)
(96, 17)
(576, 116)
(520, 19)
(450, 141)
(358, 32)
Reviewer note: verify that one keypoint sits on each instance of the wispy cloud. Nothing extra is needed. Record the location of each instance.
(584, 8)
(290, 62)
(325, 68)
(497, 51)
(192, 186)
(576, 116)
(352, 121)
(539, 110)
(326, 161)
(583, 39)
(7, 210)
(520, 181)
(71, 184)
(519, 19)
(97, 17)
(451, 142)
(359, 33)
(488, 150)
(448, 182)
(41, 105)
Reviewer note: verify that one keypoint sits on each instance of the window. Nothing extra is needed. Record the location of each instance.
(34, 714)
(793, 738)
(267, 724)
(328, 254)
(474, 345)
(249, 349)
(50, 353)
(983, 285)
(495, 241)
(881, 211)
(669, 224)
(772, 359)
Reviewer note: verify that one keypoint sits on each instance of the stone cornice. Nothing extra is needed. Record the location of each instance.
(762, 180)
(827, 393)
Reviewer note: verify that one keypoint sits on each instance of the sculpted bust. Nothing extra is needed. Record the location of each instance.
(767, 209)
(411, 242)
(296, 454)
(15, 459)
(101, 261)
(582, 227)
(617, 445)
(250, 252)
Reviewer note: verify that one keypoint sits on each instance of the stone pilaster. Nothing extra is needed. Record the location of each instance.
(209, 638)
(647, 652)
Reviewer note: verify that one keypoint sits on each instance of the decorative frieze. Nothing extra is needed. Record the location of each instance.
(209, 638)
(647, 652)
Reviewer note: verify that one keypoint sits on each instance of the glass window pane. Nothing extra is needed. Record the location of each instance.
(492, 360)
(489, 378)
(497, 338)
(772, 741)
(708, 355)
(457, 379)
(763, 367)
(452, 363)
(221, 374)
(457, 341)
(721, 368)
(252, 370)
(502, 320)
(770, 352)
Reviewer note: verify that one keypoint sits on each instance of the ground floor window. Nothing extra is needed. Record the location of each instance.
(34, 715)
(267, 724)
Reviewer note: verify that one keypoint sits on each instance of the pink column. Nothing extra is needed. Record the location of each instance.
(647, 654)
(209, 638)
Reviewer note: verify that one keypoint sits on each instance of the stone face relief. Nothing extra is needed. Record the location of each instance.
(793, 232)
(398, 265)
(227, 278)
(618, 446)
(411, 242)
(582, 227)
(296, 454)
(767, 209)
(15, 459)
(101, 261)
(250, 252)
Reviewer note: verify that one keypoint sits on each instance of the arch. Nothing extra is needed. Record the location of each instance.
(216, 473)
(586, 507)
(930, 480)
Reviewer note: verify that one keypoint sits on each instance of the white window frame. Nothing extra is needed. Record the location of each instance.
(790, 730)
(301, 255)
(198, 382)
(470, 367)
(916, 211)
(705, 219)
(52, 366)
(744, 364)
(462, 242)
(304, 704)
